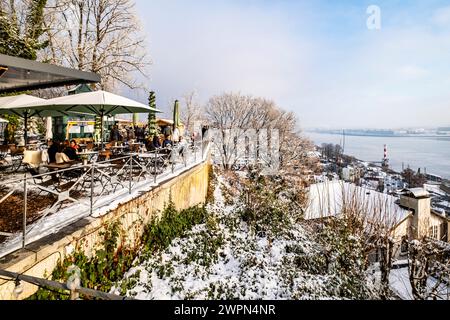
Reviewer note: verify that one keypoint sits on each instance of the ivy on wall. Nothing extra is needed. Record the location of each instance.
(113, 258)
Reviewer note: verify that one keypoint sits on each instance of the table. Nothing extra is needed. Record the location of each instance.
(88, 154)
(60, 166)
(135, 145)
(118, 149)
(66, 175)
(153, 161)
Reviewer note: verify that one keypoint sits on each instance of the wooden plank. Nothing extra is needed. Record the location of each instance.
(6, 234)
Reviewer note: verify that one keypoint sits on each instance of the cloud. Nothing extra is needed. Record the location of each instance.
(318, 60)
(224, 48)
(413, 72)
(441, 17)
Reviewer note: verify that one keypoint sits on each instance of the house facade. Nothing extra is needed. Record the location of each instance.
(424, 221)
(409, 216)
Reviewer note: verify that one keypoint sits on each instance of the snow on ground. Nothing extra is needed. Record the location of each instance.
(435, 189)
(400, 284)
(223, 259)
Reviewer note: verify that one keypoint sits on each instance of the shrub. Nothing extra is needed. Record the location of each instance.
(112, 260)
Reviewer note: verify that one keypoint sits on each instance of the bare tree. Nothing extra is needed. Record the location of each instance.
(230, 115)
(101, 36)
(192, 111)
(294, 148)
(235, 115)
(429, 269)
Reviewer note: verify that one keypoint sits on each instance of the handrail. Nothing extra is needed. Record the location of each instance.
(61, 286)
(81, 166)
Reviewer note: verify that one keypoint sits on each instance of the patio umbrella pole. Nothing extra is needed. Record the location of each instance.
(25, 132)
(101, 130)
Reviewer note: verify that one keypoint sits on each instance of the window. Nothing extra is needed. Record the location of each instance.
(434, 232)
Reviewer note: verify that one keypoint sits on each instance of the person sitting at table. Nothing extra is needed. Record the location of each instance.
(167, 143)
(61, 156)
(53, 148)
(115, 134)
(155, 142)
(130, 134)
(149, 144)
(71, 152)
(182, 145)
(140, 134)
(73, 145)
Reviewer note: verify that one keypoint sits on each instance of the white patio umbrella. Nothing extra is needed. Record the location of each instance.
(14, 105)
(100, 103)
(26, 106)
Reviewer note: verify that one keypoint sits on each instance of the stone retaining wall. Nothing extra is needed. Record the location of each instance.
(40, 258)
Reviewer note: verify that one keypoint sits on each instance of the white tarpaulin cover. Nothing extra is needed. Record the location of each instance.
(14, 104)
(96, 102)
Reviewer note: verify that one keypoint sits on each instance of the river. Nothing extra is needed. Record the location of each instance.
(430, 154)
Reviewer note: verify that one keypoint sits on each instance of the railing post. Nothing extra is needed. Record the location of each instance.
(202, 146)
(74, 281)
(172, 159)
(25, 200)
(195, 153)
(155, 165)
(92, 188)
(131, 173)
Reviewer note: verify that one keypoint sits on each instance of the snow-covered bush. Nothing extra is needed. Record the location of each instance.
(270, 253)
(429, 269)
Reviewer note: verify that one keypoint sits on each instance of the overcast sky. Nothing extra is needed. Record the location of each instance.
(316, 58)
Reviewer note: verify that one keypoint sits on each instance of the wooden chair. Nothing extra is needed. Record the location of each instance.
(15, 150)
(16, 157)
(135, 147)
(104, 155)
(90, 146)
(4, 150)
(12, 148)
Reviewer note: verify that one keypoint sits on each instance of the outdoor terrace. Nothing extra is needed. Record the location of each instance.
(36, 202)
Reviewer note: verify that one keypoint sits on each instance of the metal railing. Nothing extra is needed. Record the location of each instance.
(74, 293)
(86, 189)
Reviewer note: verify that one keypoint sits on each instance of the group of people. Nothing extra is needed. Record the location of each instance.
(70, 149)
(159, 141)
(167, 142)
(127, 134)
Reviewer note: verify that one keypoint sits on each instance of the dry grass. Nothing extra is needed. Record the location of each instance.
(11, 210)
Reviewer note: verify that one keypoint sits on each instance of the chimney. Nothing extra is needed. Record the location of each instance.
(419, 202)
